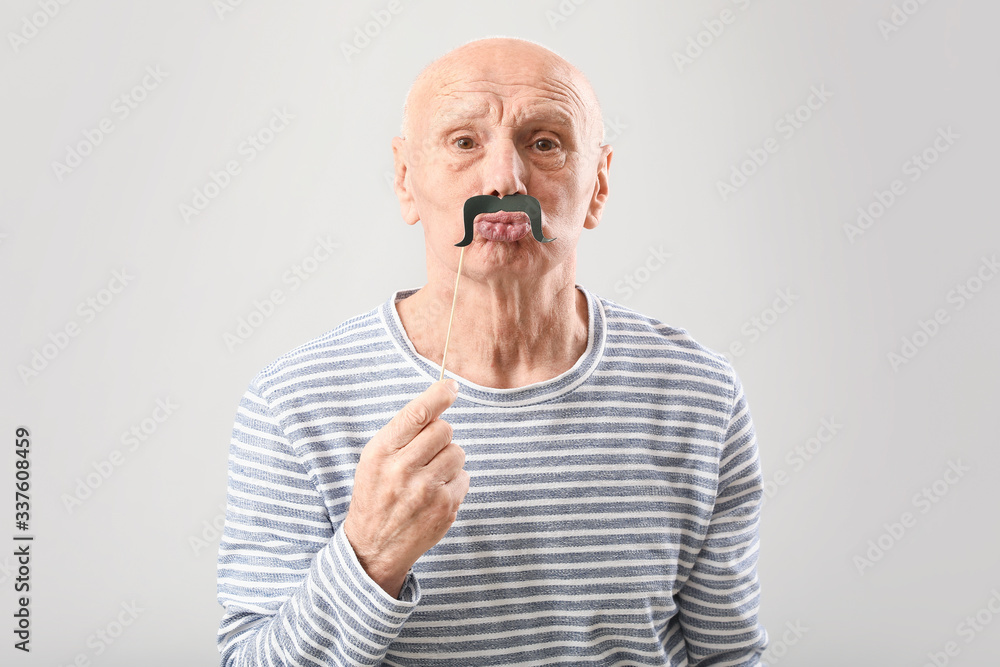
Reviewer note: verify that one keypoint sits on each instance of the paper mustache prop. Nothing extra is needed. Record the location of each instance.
(511, 203)
(489, 204)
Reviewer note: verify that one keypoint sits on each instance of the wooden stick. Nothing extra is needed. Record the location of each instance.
(454, 298)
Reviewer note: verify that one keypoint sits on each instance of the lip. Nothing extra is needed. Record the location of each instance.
(508, 226)
(506, 217)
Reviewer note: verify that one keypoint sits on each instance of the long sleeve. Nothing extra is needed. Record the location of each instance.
(290, 584)
(719, 602)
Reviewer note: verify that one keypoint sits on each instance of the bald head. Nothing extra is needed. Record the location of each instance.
(504, 60)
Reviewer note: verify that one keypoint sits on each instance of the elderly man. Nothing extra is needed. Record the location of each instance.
(593, 496)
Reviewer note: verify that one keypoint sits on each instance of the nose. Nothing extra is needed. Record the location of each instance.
(504, 171)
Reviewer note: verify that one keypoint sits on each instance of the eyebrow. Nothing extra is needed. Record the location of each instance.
(546, 114)
(456, 112)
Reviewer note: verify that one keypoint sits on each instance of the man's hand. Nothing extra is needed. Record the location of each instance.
(407, 488)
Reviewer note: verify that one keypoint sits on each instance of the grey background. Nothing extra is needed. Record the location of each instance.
(676, 132)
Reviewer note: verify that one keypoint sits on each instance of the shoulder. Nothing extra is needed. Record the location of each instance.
(322, 354)
(635, 336)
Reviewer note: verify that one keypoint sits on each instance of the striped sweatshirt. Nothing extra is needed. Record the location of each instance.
(612, 516)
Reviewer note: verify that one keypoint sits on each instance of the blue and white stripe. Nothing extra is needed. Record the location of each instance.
(612, 516)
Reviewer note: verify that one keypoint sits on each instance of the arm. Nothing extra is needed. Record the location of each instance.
(719, 602)
(288, 579)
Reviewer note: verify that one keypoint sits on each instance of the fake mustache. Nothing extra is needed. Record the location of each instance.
(511, 203)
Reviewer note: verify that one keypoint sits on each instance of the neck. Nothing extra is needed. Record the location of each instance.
(506, 332)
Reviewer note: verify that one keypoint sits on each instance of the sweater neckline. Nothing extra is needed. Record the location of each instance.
(512, 397)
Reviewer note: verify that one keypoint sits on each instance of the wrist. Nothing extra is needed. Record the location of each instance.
(389, 576)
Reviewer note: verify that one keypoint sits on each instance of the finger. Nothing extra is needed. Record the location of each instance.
(457, 487)
(447, 464)
(416, 415)
(425, 446)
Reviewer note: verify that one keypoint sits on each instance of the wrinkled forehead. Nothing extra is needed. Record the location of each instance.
(508, 95)
(507, 107)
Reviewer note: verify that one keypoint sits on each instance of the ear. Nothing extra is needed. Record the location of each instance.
(400, 183)
(600, 189)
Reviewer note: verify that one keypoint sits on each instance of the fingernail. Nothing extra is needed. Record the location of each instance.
(452, 385)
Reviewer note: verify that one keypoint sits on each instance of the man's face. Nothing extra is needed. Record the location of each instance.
(496, 121)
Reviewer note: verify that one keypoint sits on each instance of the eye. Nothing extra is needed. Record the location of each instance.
(545, 145)
(465, 143)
